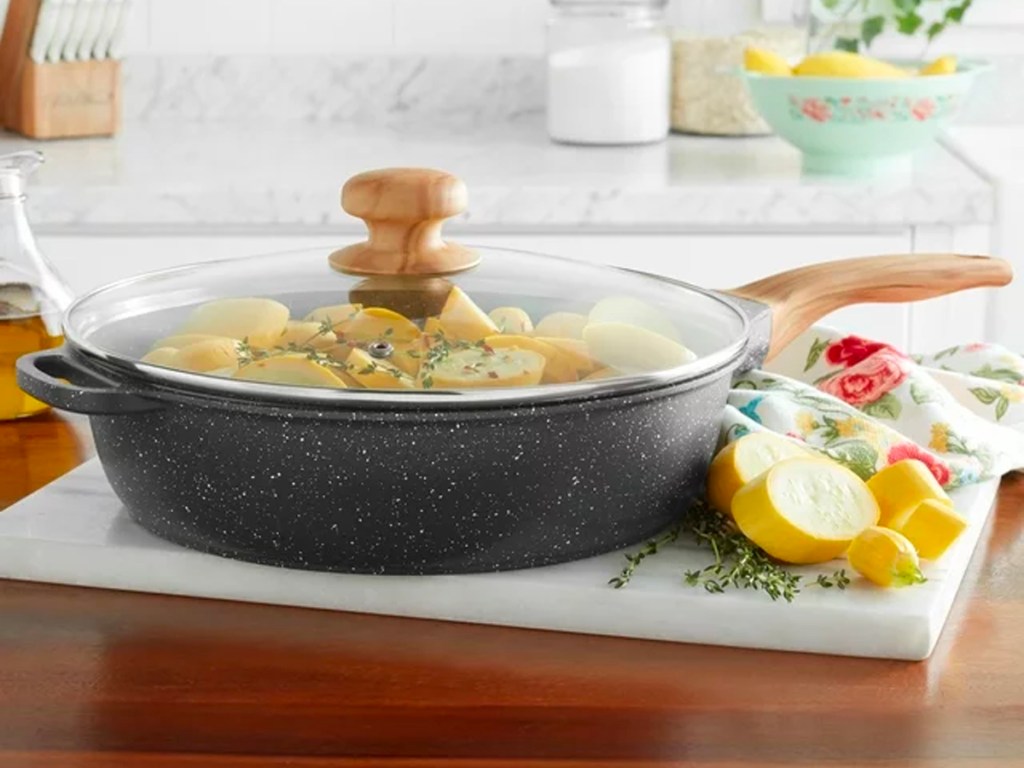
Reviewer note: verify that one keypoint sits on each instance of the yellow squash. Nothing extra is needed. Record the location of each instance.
(295, 369)
(557, 369)
(846, 64)
(804, 510)
(932, 527)
(945, 65)
(901, 487)
(475, 368)
(377, 374)
(766, 62)
(885, 557)
(743, 460)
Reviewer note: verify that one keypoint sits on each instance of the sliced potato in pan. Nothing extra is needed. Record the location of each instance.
(567, 325)
(305, 333)
(630, 311)
(260, 321)
(631, 349)
(574, 351)
(511, 320)
(160, 356)
(337, 314)
(205, 356)
(462, 319)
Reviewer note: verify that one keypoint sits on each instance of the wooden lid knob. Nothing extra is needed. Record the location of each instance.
(404, 209)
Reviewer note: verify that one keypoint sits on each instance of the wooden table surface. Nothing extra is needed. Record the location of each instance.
(107, 679)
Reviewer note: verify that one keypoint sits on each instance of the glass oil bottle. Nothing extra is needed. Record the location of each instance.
(32, 296)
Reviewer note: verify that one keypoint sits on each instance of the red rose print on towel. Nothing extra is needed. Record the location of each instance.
(851, 350)
(866, 381)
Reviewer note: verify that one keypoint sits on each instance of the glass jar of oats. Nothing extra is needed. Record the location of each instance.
(708, 95)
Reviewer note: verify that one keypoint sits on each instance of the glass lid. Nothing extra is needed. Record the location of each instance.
(407, 316)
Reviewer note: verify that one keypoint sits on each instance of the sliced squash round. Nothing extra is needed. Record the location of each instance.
(476, 367)
(372, 373)
(557, 369)
(294, 369)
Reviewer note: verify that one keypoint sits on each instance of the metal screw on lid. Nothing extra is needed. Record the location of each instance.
(380, 350)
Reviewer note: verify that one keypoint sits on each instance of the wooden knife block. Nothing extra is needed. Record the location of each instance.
(54, 100)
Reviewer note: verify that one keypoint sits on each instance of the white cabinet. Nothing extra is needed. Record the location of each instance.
(709, 260)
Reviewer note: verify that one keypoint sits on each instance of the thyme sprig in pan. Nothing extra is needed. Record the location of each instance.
(440, 348)
(738, 562)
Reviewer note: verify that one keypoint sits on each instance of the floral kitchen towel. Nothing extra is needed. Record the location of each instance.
(868, 405)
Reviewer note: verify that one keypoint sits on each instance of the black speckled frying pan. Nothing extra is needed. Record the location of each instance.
(440, 482)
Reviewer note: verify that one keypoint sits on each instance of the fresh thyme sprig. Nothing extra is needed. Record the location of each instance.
(650, 548)
(738, 562)
(440, 350)
(839, 580)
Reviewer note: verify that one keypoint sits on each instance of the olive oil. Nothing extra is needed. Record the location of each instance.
(32, 295)
(20, 335)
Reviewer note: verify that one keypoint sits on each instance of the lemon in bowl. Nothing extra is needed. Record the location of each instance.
(854, 115)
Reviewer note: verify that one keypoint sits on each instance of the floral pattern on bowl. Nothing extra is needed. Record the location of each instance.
(861, 109)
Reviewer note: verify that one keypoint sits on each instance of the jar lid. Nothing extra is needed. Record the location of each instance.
(407, 317)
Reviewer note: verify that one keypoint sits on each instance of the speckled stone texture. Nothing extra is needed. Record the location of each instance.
(416, 491)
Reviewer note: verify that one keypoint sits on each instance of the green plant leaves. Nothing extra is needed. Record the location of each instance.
(819, 346)
(1008, 375)
(921, 395)
(871, 28)
(909, 23)
(985, 395)
(885, 407)
(906, 14)
(856, 455)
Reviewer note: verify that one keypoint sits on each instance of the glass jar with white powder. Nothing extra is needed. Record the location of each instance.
(609, 64)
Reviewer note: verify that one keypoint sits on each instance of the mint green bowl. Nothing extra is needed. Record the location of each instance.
(849, 126)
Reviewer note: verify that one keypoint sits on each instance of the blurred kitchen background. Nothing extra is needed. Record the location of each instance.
(242, 118)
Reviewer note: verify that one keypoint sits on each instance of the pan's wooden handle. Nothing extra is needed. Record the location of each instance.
(801, 297)
(404, 209)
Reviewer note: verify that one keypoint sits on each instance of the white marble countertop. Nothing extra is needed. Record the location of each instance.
(225, 176)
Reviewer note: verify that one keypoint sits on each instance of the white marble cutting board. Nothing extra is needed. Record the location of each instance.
(75, 531)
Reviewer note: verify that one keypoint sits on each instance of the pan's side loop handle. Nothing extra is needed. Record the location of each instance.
(56, 378)
(801, 297)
